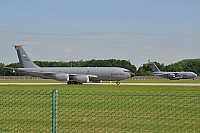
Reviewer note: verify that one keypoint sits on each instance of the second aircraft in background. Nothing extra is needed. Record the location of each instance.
(171, 75)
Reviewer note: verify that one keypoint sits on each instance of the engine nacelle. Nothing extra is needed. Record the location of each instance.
(62, 77)
(82, 78)
(171, 75)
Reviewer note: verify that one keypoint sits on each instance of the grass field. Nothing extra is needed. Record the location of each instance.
(100, 108)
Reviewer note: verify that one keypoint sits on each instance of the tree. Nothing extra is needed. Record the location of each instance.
(187, 65)
(144, 71)
(2, 69)
(184, 65)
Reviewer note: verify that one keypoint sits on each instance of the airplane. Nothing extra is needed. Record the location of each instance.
(71, 75)
(171, 75)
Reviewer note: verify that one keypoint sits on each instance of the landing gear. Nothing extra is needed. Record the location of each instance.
(73, 82)
(118, 82)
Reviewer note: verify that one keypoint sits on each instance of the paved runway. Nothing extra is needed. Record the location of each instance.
(136, 84)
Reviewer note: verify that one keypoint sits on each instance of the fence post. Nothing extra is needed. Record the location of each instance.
(54, 123)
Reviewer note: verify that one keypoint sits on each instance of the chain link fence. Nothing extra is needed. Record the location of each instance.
(24, 111)
(100, 111)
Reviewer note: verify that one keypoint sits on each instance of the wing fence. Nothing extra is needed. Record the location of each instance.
(100, 111)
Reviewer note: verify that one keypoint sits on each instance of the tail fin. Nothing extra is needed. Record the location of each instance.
(153, 67)
(24, 60)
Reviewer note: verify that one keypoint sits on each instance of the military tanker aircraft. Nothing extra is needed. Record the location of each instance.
(71, 75)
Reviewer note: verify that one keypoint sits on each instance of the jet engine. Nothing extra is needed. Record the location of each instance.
(82, 78)
(62, 77)
(171, 75)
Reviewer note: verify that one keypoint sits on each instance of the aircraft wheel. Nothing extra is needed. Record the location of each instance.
(73, 82)
(118, 82)
(69, 82)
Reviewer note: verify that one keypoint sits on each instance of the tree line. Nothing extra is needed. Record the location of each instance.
(184, 65)
(188, 65)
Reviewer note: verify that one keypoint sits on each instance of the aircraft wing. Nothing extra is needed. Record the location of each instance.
(162, 73)
(45, 74)
(13, 69)
(178, 75)
(170, 75)
(32, 73)
(175, 75)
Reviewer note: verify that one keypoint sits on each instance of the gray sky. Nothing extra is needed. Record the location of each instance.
(65, 30)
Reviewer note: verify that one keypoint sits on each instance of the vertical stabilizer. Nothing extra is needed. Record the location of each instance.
(24, 60)
(153, 67)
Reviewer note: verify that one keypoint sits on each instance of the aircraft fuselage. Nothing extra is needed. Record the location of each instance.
(101, 73)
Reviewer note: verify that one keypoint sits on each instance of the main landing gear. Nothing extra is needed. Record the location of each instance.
(118, 82)
(73, 82)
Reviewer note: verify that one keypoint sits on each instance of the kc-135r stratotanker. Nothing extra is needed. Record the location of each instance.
(71, 75)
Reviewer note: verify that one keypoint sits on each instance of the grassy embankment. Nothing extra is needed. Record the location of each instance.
(100, 108)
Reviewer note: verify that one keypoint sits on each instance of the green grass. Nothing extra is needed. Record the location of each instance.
(100, 108)
(100, 87)
(132, 111)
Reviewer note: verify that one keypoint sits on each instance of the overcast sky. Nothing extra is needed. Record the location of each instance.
(165, 31)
